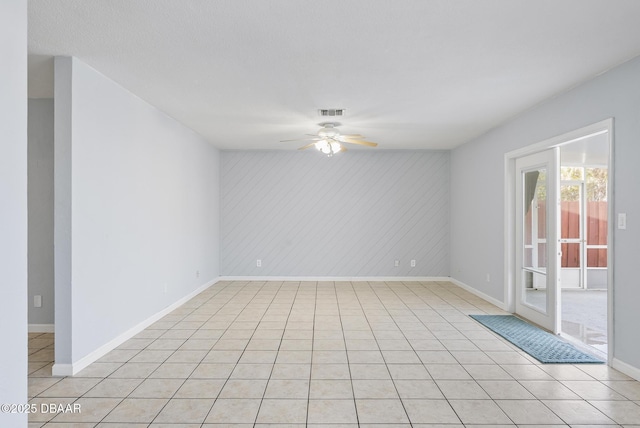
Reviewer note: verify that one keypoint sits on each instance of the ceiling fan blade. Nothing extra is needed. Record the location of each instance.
(358, 136)
(301, 139)
(360, 142)
(307, 146)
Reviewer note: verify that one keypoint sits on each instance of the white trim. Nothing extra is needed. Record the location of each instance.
(480, 294)
(41, 328)
(611, 198)
(336, 278)
(74, 368)
(625, 368)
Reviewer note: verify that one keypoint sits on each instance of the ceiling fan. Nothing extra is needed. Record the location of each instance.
(329, 141)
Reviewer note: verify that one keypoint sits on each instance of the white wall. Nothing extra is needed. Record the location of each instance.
(40, 133)
(477, 186)
(13, 208)
(139, 195)
(351, 215)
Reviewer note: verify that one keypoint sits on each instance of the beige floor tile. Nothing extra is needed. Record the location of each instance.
(90, 410)
(184, 411)
(526, 372)
(99, 370)
(70, 387)
(119, 356)
(136, 410)
(222, 357)
(234, 411)
(486, 372)
(575, 412)
(394, 345)
(602, 372)
(231, 345)
(296, 345)
(258, 357)
(151, 356)
(174, 370)
(622, 412)
(400, 357)
(436, 357)
(471, 357)
(418, 389)
(630, 389)
(287, 388)
(461, 389)
(361, 345)
(166, 344)
(212, 371)
(243, 388)
(369, 371)
(505, 390)
(332, 412)
(157, 388)
(330, 371)
(479, 412)
(408, 349)
(365, 357)
(252, 371)
(592, 390)
(293, 334)
(447, 371)
(565, 372)
(372, 389)
(430, 412)
(135, 370)
(381, 411)
(293, 357)
(322, 389)
(274, 411)
(113, 388)
(527, 412)
(40, 384)
(187, 356)
(200, 388)
(329, 357)
(549, 390)
(43, 413)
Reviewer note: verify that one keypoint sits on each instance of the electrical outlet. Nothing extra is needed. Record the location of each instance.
(197, 274)
(413, 263)
(259, 263)
(37, 301)
(488, 278)
(396, 263)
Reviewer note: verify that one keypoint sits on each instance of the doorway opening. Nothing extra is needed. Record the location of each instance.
(584, 208)
(558, 259)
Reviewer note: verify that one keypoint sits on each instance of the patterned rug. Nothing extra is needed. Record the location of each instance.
(544, 347)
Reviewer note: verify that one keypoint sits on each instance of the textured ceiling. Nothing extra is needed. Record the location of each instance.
(410, 74)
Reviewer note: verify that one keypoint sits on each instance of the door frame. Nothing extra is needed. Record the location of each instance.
(604, 126)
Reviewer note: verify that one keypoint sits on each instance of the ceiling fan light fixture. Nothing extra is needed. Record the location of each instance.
(329, 148)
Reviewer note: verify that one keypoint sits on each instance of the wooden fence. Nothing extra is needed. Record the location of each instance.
(596, 233)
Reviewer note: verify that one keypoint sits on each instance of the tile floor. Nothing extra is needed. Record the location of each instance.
(343, 354)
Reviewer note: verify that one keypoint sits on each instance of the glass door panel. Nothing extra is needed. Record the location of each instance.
(537, 234)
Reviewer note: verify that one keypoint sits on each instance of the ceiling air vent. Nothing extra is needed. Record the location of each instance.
(331, 112)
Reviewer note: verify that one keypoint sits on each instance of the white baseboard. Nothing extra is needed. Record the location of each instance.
(625, 368)
(41, 328)
(480, 294)
(74, 368)
(336, 278)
